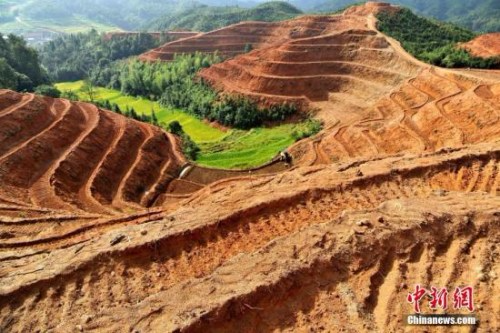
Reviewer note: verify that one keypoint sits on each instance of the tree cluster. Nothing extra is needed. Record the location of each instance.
(207, 18)
(77, 56)
(189, 147)
(20, 67)
(175, 85)
(432, 41)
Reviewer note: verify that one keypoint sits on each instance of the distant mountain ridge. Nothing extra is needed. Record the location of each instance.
(205, 18)
(23, 16)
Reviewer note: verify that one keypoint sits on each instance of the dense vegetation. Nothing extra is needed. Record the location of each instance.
(20, 67)
(175, 85)
(73, 57)
(478, 15)
(205, 18)
(432, 41)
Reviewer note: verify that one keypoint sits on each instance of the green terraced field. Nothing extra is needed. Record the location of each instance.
(228, 150)
(244, 149)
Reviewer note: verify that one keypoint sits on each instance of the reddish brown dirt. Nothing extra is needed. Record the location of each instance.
(231, 40)
(162, 255)
(485, 46)
(76, 157)
(347, 64)
(400, 188)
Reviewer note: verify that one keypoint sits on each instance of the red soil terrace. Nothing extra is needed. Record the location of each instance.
(232, 40)
(76, 157)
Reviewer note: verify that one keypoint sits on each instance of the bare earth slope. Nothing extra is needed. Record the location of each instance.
(75, 157)
(232, 40)
(487, 45)
(400, 188)
(144, 276)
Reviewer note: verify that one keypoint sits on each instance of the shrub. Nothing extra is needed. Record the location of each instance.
(175, 128)
(47, 90)
(189, 147)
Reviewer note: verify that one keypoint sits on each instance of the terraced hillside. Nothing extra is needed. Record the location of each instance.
(78, 158)
(373, 98)
(433, 110)
(235, 39)
(400, 188)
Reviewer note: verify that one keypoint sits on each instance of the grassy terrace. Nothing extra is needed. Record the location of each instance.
(219, 149)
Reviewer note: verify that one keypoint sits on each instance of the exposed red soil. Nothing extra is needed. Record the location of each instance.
(76, 157)
(485, 46)
(400, 188)
(231, 40)
(162, 255)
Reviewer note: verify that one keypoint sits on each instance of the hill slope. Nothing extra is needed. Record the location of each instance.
(431, 41)
(60, 16)
(365, 88)
(94, 160)
(487, 45)
(205, 18)
(242, 37)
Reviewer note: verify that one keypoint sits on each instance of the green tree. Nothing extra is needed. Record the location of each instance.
(88, 89)
(46, 90)
(8, 76)
(175, 128)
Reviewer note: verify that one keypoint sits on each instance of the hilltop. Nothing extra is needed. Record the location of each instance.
(205, 18)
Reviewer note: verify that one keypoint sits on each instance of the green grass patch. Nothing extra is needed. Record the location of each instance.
(195, 128)
(234, 149)
(245, 149)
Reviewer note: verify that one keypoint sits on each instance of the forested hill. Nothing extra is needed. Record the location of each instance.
(432, 41)
(74, 57)
(20, 67)
(478, 15)
(205, 18)
(23, 16)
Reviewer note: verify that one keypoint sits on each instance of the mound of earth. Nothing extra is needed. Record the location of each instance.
(400, 188)
(485, 46)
